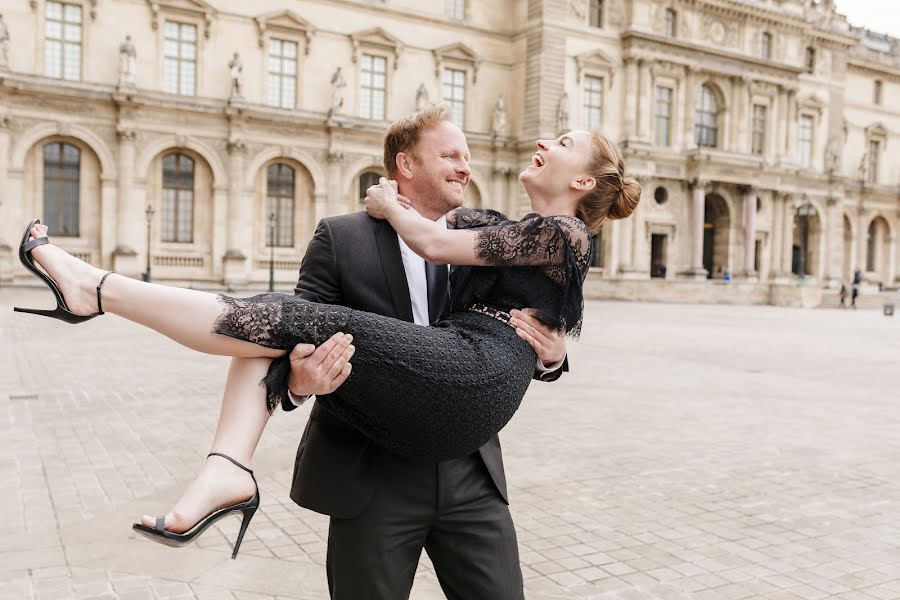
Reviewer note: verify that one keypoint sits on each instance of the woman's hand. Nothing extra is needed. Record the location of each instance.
(382, 198)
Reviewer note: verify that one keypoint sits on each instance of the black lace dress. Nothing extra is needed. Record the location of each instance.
(441, 391)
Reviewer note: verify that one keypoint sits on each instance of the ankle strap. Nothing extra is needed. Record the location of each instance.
(99, 303)
(234, 462)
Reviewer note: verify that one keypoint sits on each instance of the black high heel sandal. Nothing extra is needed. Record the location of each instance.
(176, 540)
(61, 311)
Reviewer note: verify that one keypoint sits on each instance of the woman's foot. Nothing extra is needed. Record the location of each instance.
(76, 279)
(218, 485)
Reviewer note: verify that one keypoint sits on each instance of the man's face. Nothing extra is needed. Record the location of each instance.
(440, 170)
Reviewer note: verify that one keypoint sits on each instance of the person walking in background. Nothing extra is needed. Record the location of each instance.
(843, 295)
(854, 294)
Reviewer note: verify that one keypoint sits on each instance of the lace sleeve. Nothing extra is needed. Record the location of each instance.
(534, 241)
(467, 218)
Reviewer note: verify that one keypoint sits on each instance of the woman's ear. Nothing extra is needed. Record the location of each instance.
(583, 184)
(404, 164)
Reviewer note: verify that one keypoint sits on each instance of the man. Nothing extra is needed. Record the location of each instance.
(385, 508)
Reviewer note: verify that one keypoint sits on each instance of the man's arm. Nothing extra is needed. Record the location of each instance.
(319, 370)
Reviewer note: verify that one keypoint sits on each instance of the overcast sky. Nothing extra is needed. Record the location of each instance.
(882, 16)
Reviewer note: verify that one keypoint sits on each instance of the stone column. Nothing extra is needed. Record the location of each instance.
(108, 224)
(690, 91)
(626, 249)
(862, 239)
(780, 125)
(638, 267)
(131, 222)
(892, 260)
(698, 206)
(645, 101)
(834, 243)
(787, 249)
(238, 230)
(792, 129)
(749, 196)
(631, 97)
(8, 221)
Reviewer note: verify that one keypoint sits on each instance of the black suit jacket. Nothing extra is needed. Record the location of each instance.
(355, 261)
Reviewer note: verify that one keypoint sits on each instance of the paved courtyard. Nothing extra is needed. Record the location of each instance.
(694, 452)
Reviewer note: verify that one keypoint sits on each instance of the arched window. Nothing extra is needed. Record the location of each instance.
(810, 61)
(706, 122)
(766, 50)
(62, 170)
(670, 23)
(367, 180)
(178, 198)
(280, 204)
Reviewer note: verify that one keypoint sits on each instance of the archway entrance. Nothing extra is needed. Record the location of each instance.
(807, 239)
(878, 248)
(716, 224)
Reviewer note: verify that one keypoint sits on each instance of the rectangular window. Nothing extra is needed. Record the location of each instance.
(456, 9)
(282, 69)
(62, 183)
(766, 45)
(592, 102)
(806, 140)
(876, 92)
(759, 129)
(874, 152)
(372, 86)
(180, 51)
(670, 23)
(595, 16)
(455, 94)
(663, 116)
(178, 199)
(62, 46)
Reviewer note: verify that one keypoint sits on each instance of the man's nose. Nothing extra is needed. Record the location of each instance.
(463, 169)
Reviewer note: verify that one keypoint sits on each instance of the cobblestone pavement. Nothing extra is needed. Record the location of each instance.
(694, 452)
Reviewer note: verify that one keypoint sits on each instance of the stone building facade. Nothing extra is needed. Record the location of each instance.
(762, 131)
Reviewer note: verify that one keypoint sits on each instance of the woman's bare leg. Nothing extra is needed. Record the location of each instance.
(241, 422)
(186, 316)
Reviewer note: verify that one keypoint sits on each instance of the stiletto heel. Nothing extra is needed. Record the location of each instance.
(248, 514)
(61, 311)
(248, 508)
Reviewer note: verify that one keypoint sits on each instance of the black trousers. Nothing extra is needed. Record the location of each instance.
(451, 509)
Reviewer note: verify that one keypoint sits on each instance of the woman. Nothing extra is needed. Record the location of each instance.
(452, 386)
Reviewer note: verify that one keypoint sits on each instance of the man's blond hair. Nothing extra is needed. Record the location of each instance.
(404, 134)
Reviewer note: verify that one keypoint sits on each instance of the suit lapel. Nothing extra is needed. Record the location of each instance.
(392, 265)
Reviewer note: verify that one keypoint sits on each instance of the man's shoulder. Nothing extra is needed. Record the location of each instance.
(350, 221)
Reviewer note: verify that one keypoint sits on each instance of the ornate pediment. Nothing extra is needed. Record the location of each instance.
(876, 130)
(194, 8)
(378, 39)
(811, 102)
(458, 53)
(594, 60)
(284, 22)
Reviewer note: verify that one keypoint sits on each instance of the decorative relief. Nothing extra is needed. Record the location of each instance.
(284, 21)
(458, 52)
(720, 32)
(196, 7)
(376, 38)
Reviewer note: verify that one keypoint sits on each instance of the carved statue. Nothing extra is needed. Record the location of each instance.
(498, 125)
(236, 71)
(127, 60)
(562, 114)
(833, 155)
(4, 44)
(862, 172)
(421, 97)
(337, 92)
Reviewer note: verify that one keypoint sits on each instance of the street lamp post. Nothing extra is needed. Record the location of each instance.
(271, 251)
(149, 213)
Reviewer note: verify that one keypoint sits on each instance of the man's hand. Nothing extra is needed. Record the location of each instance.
(316, 371)
(549, 344)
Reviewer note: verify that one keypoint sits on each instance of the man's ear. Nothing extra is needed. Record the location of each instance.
(583, 184)
(404, 165)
